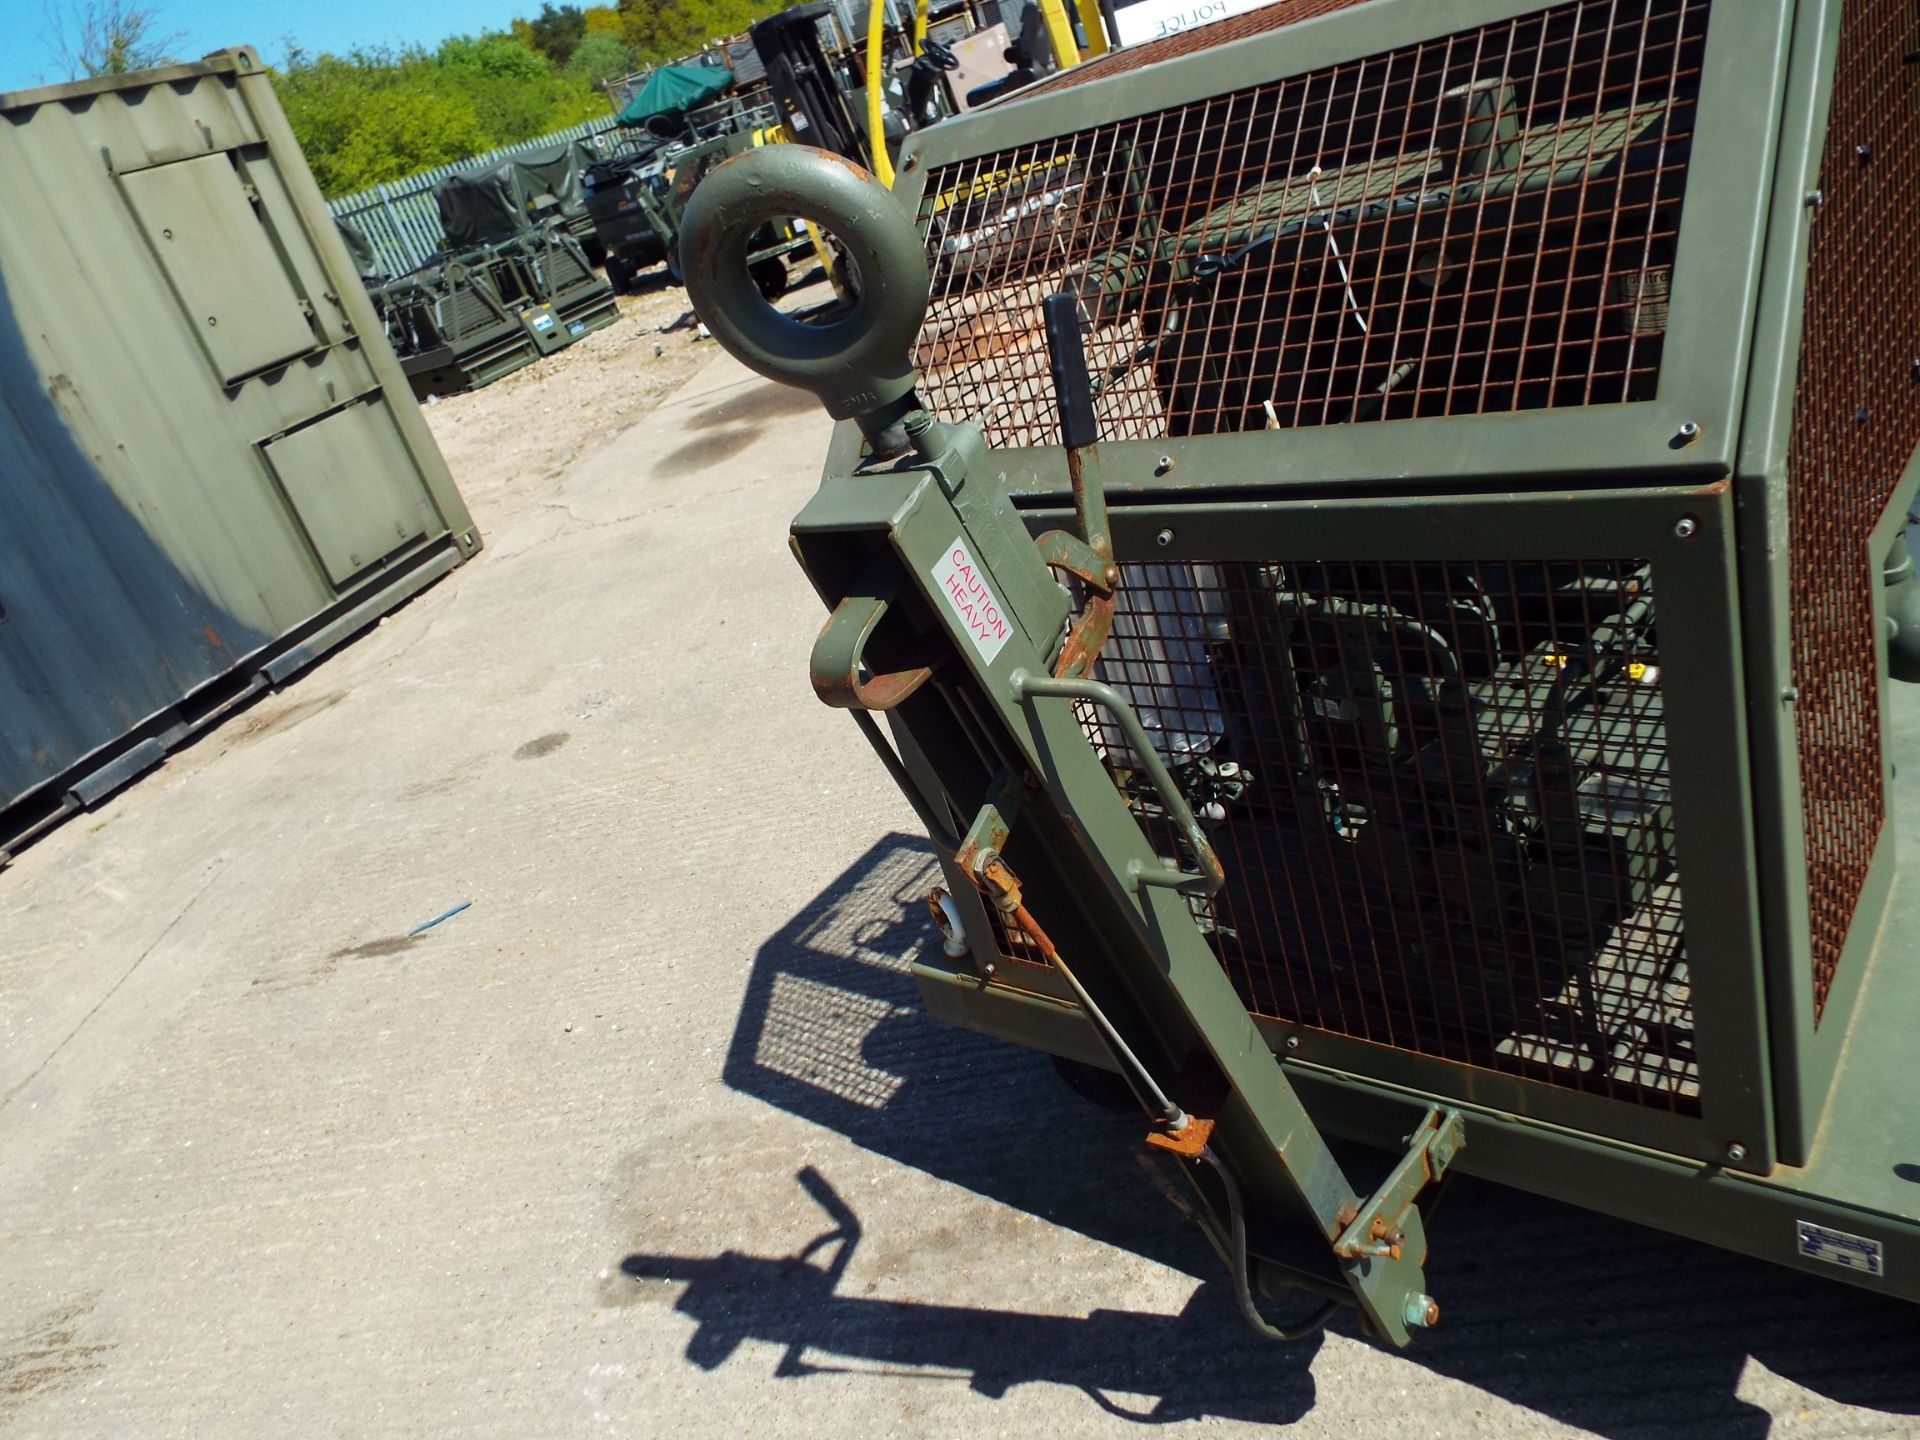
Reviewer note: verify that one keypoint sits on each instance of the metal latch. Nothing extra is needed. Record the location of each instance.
(1377, 1229)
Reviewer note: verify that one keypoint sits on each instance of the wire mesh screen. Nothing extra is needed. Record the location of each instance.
(1856, 421)
(1440, 794)
(1479, 223)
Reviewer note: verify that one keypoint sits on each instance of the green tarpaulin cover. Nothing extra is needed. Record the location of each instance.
(675, 89)
(498, 201)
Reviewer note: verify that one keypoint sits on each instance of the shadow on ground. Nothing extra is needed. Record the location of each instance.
(1600, 1324)
(1144, 1367)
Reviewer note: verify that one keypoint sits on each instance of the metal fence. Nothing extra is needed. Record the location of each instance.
(401, 220)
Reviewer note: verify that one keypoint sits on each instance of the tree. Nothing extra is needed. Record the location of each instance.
(556, 33)
(599, 58)
(109, 37)
(494, 56)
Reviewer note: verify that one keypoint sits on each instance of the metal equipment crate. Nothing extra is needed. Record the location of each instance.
(1503, 413)
(468, 319)
(211, 469)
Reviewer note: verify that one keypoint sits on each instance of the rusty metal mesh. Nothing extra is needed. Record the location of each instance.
(1483, 222)
(1440, 795)
(1856, 421)
(1188, 42)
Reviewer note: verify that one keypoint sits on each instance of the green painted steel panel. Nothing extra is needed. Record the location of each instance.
(221, 264)
(341, 474)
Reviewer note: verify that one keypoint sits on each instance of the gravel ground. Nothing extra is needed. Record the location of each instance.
(653, 1139)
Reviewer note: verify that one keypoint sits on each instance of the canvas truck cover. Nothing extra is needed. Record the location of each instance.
(485, 206)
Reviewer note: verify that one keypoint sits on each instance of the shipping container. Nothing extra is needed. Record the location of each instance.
(212, 470)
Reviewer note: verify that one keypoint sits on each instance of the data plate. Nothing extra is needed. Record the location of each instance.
(1836, 1247)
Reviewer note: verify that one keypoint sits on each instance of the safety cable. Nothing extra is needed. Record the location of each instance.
(1243, 1292)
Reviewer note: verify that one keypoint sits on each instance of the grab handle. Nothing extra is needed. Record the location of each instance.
(1211, 876)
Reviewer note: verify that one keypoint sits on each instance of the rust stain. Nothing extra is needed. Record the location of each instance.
(48, 1355)
(1188, 1142)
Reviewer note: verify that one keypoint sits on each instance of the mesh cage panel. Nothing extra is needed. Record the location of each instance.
(1479, 223)
(1440, 795)
(1856, 422)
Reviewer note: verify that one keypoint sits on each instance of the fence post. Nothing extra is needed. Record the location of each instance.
(393, 218)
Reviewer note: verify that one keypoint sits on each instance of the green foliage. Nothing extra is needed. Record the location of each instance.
(600, 57)
(376, 115)
(556, 33)
(663, 30)
(495, 59)
(602, 20)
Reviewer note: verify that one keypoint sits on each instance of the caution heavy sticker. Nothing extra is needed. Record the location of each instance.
(964, 584)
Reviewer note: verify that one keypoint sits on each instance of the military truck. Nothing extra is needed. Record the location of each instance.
(636, 201)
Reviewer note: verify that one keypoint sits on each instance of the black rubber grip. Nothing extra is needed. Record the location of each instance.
(1067, 357)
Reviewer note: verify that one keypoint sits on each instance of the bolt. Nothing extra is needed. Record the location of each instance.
(1293, 1042)
(1736, 1152)
(1164, 538)
(1689, 432)
(1791, 695)
(1685, 527)
(1163, 465)
(1421, 1311)
(1863, 152)
(1816, 198)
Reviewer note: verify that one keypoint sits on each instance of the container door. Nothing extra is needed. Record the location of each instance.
(221, 260)
(343, 477)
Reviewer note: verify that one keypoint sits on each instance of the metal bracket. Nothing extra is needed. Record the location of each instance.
(1378, 1229)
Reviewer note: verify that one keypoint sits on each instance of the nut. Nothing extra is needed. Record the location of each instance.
(1422, 1311)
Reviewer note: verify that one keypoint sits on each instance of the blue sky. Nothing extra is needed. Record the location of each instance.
(29, 57)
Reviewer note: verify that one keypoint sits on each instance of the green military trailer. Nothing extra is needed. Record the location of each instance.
(465, 319)
(1372, 536)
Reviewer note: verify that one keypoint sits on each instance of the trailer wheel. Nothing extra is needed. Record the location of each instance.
(1102, 1087)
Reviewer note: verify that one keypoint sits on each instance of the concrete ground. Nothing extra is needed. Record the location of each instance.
(653, 1138)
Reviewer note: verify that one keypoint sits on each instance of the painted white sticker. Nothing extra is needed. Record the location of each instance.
(1141, 20)
(1836, 1247)
(964, 584)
